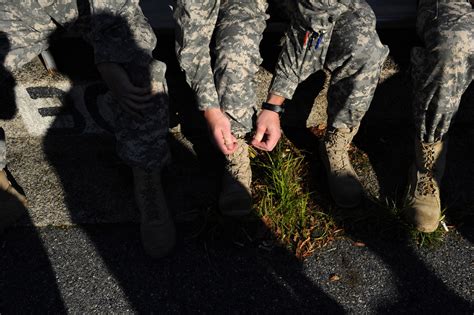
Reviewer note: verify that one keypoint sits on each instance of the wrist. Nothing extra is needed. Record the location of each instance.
(212, 112)
(275, 99)
(277, 109)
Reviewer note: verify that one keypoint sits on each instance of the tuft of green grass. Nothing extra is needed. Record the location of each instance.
(284, 203)
(421, 239)
(302, 218)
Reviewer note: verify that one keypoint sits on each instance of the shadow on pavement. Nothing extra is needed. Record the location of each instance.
(386, 136)
(26, 276)
(219, 267)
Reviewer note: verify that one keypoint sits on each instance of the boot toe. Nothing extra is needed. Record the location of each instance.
(236, 203)
(158, 239)
(424, 216)
(12, 209)
(347, 192)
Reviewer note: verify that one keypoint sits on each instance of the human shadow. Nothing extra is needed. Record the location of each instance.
(26, 274)
(457, 188)
(386, 136)
(218, 264)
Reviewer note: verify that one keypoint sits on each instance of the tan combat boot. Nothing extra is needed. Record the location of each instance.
(424, 205)
(157, 228)
(344, 184)
(7, 186)
(236, 198)
(12, 203)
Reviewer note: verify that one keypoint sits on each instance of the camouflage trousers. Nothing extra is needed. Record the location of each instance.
(3, 149)
(230, 84)
(350, 49)
(119, 33)
(444, 68)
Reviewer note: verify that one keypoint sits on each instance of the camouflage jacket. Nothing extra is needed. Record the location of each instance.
(115, 28)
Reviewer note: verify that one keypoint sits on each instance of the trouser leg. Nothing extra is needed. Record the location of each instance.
(143, 143)
(3, 149)
(238, 35)
(355, 57)
(442, 70)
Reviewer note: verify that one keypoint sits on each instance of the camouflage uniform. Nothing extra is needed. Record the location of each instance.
(442, 70)
(3, 150)
(340, 36)
(119, 33)
(238, 26)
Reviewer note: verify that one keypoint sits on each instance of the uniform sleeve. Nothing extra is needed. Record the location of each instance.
(196, 20)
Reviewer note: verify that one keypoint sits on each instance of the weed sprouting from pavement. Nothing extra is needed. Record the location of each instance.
(302, 219)
(421, 239)
(283, 200)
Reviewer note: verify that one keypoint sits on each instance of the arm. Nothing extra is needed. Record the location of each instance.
(196, 21)
(122, 36)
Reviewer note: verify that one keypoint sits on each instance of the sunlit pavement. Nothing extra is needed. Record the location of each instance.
(78, 249)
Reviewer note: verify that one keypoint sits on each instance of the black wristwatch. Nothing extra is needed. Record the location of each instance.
(279, 109)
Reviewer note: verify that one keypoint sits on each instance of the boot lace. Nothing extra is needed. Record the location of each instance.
(236, 163)
(337, 147)
(427, 183)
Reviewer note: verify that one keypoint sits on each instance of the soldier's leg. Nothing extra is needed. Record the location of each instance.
(12, 203)
(355, 58)
(238, 34)
(441, 71)
(141, 143)
(21, 40)
(22, 36)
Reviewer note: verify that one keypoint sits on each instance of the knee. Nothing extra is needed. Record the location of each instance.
(453, 50)
(360, 40)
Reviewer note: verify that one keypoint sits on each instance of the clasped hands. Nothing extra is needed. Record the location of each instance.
(267, 132)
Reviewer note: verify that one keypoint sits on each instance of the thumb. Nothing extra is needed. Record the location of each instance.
(259, 133)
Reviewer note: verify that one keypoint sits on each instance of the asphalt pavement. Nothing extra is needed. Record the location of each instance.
(78, 249)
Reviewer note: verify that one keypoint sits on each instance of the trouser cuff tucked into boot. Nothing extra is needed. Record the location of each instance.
(236, 197)
(424, 204)
(344, 184)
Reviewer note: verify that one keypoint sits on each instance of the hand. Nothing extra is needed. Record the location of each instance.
(268, 130)
(219, 126)
(131, 98)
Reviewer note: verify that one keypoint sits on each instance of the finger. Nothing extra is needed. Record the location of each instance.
(259, 145)
(128, 108)
(133, 89)
(139, 98)
(259, 134)
(272, 140)
(220, 142)
(137, 106)
(230, 141)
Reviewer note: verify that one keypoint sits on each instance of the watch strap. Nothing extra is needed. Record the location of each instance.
(279, 109)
